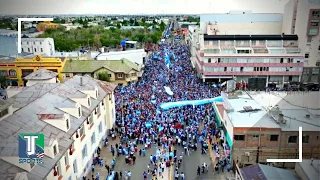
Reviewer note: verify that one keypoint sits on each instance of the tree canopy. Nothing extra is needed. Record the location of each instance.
(97, 36)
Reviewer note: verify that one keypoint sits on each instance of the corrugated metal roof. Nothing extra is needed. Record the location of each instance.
(90, 66)
(41, 74)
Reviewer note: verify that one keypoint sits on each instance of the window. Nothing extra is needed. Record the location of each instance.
(67, 124)
(40, 43)
(34, 43)
(55, 150)
(79, 112)
(292, 139)
(41, 49)
(209, 60)
(316, 13)
(255, 136)
(93, 138)
(239, 137)
(89, 104)
(84, 151)
(305, 139)
(67, 75)
(281, 60)
(35, 50)
(225, 68)
(66, 161)
(97, 93)
(100, 127)
(91, 118)
(28, 49)
(4, 113)
(306, 55)
(75, 167)
(318, 64)
(241, 69)
(81, 131)
(313, 32)
(219, 60)
(120, 75)
(314, 23)
(109, 75)
(58, 169)
(98, 109)
(12, 72)
(274, 137)
(309, 39)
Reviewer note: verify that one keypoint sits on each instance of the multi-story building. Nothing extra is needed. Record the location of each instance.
(73, 116)
(302, 17)
(120, 72)
(244, 46)
(38, 46)
(261, 125)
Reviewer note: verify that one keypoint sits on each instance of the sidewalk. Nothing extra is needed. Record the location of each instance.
(106, 156)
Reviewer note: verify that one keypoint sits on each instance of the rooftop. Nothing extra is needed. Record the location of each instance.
(90, 66)
(311, 170)
(41, 74)
(45, 99)
(247, 17)
(6, 59)
(265, 172)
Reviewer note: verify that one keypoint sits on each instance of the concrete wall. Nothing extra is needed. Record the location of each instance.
(33, 82)
(248, 28)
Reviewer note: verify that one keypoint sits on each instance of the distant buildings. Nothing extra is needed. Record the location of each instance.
(46, 25)
(74, 117)
(120, 72)
(38, 46)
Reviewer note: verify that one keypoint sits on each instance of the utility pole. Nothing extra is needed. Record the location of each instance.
(258, 153)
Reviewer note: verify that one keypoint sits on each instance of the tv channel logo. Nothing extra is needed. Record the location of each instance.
(31, 148)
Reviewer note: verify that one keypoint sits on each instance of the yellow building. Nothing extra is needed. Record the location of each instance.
(8, 70)
(119, 72)
(25, 66)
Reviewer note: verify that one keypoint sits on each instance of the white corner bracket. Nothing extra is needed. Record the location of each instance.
(27, 19)
(291, 160)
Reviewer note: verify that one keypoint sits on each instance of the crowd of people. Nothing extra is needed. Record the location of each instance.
(140, 122)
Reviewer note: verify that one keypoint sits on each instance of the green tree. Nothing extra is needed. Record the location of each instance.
(104, 76)
(96, 42)
(162, 26)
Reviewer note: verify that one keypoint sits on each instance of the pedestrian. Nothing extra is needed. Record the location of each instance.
(198, 171)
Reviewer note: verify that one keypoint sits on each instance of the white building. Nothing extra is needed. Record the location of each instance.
(38, 46)
(137, 56)
(302, 17)
(41, 76)
(73, 116)
(245, 46)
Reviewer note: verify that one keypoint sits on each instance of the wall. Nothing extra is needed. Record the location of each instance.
(288, 17)
(301, 172)
(33, 82)
(104, 70)
(250, 28)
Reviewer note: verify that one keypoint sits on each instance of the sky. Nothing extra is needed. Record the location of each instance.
(48, 7)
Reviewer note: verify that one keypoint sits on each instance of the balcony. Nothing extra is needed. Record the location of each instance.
(252, 73)
(293, 50)
(260, 50)
(251, 64)
(213, 51)
(290, 43)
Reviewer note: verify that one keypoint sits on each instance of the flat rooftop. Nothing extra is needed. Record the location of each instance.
(261, 109)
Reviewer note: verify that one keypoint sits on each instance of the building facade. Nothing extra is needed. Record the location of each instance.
(46, 25)
(228, 51)
(73, 116)
(262, 126)
(302, 17)
(120, 72)
(27, 65)
(38, 46)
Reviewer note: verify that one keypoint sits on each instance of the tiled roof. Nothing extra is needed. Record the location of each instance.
(90, 66)
(40, 99)
(41, 74)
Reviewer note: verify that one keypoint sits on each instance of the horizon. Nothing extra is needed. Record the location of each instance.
(119, 7)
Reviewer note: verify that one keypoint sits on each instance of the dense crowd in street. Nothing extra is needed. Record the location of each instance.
(177, 132)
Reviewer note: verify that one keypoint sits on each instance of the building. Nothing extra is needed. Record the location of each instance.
(73, 116)
(302, 17)
(265, 172)
(308, 169)
(136, 56)
(41, 76)
(38, 46)
(8, 70)
(27, 65)
(246, 45)
(261, 125)
(120, 72)
(46, 25)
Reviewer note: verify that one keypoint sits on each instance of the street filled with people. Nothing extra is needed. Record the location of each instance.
(163, 137)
